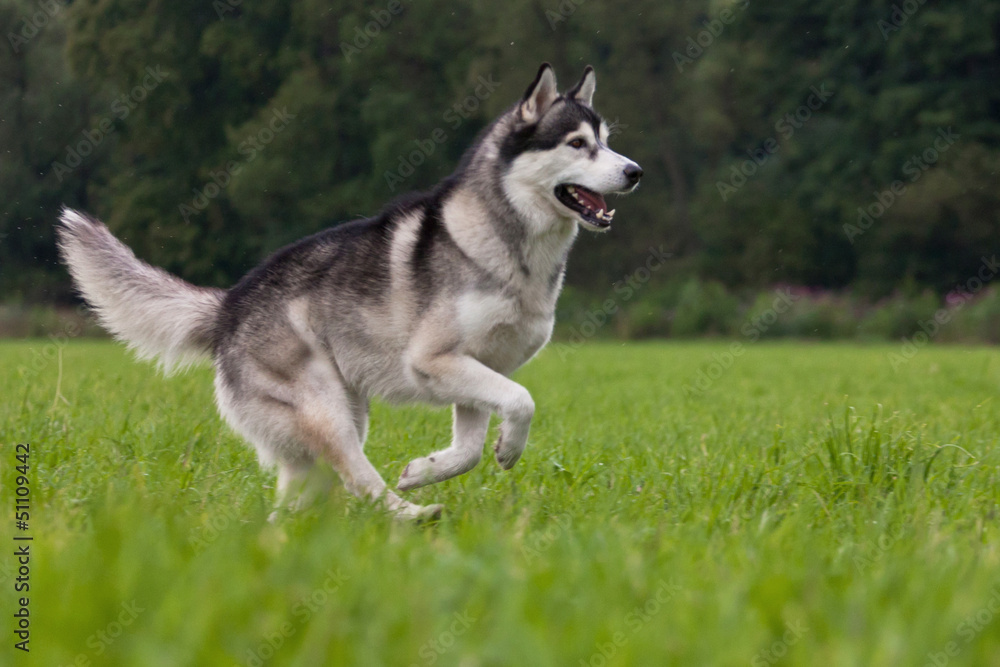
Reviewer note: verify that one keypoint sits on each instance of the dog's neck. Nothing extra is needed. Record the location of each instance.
(495, 237)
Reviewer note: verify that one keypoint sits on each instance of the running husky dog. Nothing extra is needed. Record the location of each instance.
(439, 299)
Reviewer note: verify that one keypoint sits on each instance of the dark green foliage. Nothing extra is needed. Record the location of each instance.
(692, 308)
(194, 176)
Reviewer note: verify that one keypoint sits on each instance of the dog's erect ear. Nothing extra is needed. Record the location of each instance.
(583, 92)
(540, 95)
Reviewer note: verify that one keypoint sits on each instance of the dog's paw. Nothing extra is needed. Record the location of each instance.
(419, 513)
(417, 473)
(506, 456)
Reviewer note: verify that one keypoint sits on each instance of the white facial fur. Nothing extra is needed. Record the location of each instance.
(531, 181)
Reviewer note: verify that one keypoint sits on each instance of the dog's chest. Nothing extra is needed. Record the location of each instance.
(502, 331)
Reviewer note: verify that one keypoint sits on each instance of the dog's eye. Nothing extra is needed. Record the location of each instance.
(578, 143)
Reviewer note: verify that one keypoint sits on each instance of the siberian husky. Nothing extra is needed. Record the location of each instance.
(438, 298)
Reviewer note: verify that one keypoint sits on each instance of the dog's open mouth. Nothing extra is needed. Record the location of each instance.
(588, 204)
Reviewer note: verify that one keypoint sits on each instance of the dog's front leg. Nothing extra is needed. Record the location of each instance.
(462, 380)
(465, 452)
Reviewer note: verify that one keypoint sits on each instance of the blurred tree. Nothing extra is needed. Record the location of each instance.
(217, 132)
(899, 80)
(43, 113)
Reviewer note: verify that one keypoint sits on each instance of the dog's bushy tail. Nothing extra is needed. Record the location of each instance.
(157, 314)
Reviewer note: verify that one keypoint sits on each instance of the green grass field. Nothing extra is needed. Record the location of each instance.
(811, 507)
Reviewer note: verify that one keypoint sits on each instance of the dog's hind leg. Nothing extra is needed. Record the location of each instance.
(317, 417)
(330, 423)
(462, 456)
(359, 411)
(331, 420)
(300, 484)
(267, 422)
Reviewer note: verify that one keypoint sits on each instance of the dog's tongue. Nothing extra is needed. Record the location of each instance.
(592, 199)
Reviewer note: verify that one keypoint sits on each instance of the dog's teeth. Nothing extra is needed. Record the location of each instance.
(570, 189)
(600, 214)
(611, 213)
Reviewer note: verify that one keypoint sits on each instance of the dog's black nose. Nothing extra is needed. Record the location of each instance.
(633, 173)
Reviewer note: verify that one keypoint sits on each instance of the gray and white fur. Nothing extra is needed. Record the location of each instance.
(438, 298)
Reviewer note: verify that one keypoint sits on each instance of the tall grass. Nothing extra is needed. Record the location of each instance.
(812, 506)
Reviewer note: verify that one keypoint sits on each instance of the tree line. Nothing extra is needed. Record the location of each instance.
(841, 145)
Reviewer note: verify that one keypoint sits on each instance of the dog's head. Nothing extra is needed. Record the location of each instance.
(558, 164)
